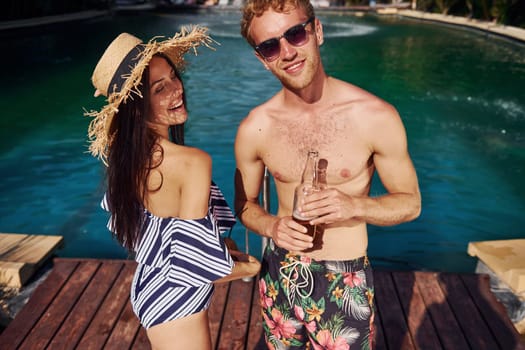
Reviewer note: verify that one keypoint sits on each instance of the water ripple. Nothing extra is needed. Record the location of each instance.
(345, 29)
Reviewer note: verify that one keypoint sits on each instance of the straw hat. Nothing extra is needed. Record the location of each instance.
(119, 71)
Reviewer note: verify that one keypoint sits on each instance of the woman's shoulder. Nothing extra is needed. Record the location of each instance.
(189, 166)
(186, 158)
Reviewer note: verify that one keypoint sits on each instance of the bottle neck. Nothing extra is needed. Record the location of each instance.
(310, 170)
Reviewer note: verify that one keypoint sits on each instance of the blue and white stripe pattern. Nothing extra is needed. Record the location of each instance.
(177, 262)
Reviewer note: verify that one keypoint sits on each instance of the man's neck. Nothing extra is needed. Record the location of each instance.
(310, 95)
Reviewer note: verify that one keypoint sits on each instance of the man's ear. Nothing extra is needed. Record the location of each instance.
(319, 31)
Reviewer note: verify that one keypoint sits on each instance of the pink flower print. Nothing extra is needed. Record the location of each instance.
(325, 342)
(266, 300)
(279, 327)
(299, 313)
(341, 344)
(306, 260)
(311, 326)
(352, 279)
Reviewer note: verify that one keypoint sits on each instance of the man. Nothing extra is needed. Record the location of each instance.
(320, 296)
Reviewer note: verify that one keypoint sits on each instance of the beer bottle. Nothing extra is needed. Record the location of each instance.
(322, 165)
(308, 185)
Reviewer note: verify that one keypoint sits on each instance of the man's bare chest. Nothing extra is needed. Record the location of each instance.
(345, 150)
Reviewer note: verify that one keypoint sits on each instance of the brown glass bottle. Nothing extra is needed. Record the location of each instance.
(321, 184)
(308, 185)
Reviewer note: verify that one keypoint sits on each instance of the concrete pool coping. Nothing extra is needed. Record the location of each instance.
(489, 27)
(38, 21)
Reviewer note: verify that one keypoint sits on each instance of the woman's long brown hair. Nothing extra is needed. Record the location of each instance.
(133, 153)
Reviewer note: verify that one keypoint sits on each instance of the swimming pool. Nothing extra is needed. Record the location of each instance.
(460, 93)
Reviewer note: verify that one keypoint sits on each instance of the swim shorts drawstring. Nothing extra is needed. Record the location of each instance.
(302, 269)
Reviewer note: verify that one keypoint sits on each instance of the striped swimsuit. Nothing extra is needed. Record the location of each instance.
(178, 260)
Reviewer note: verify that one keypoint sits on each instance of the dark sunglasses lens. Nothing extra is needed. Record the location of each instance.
(269, 49)
(296, 35)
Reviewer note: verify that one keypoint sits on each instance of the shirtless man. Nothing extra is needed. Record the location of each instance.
(324, 296)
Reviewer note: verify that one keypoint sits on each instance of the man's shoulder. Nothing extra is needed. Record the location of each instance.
(261, 113)
(359, 100)
(352, 92)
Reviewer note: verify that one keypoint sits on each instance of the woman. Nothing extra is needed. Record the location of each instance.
(163, 208)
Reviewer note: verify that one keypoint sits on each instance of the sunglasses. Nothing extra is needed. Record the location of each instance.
(296, 35)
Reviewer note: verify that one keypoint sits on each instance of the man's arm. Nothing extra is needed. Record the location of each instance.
(249, 175)
(248, 180)
(402, 203)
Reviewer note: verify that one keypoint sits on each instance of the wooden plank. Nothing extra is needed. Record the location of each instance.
(472, 324)
(125, 330)
(394, 324)
(492, 311)
(22, 254)
(256, 323)
(86, 301)
(26, 248)
(37, 305)
(107, 315)
(234, 326)
(141, 341)
(442, 316)
(15, 274)
(87, 305)
(49, 323)
(216, 311)
(418, 319)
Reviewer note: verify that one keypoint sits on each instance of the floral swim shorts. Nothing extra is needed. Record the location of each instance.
(311, 304)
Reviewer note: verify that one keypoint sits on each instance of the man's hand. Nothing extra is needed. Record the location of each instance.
(290, 235)
(329, 206)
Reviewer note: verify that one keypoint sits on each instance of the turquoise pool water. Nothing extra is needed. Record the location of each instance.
(460, 93)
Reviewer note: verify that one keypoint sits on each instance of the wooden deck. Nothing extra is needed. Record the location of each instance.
(22, 254)
(84, 304)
